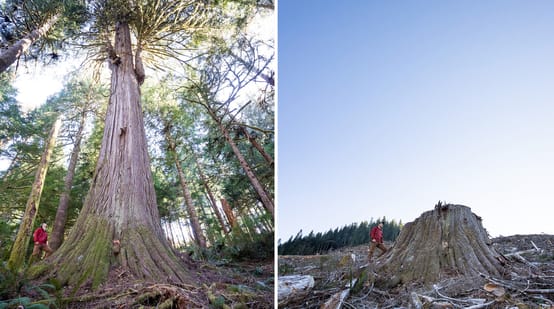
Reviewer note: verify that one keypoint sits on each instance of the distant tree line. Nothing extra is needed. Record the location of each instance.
(349, 235)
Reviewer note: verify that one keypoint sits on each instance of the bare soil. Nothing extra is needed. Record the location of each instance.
(528, 280)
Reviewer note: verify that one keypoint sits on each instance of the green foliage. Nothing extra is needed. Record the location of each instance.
(26, 16)
(240, 246)
(7, 232)
(16, 289)
(351, 235)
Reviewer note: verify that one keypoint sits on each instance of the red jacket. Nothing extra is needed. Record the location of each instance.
(377, 234)
(40, 236)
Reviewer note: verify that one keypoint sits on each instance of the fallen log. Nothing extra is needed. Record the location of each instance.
(518, 289)
(518, 253)
(292, 287)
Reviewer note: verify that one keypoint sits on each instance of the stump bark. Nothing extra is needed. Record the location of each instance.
(447, 241)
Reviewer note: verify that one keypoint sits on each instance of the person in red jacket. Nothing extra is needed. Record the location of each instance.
(376, 236)
(40, 236)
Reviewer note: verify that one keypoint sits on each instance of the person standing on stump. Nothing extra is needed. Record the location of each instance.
(376, 236)
(40, 237)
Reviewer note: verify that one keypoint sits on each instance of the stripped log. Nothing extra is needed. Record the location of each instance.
(293, 287)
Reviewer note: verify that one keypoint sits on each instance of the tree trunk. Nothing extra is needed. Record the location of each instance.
(182, 233)
(12, 53)
(209, 232)
(191, 209)
(210, 194)
(247, 224)
(259, 147)
(449, 240)
(19, 249)
(58, 229)
(228, 212)
(264, 197)
(265, 220)
(121, 203)
(172, 240)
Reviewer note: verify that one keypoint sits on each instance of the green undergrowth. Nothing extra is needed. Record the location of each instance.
(243, 248)
(16, 289)
(235, 248)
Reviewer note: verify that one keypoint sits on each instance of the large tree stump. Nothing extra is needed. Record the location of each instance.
(447, 241)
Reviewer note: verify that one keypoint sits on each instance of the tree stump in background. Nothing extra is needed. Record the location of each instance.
(447, 241)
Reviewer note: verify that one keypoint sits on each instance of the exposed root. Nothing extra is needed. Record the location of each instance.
(142, 295)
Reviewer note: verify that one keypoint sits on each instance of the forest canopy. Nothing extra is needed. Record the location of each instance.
(347, 236)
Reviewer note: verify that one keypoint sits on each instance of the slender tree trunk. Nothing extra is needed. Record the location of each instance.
(181, 230)
(262, 221)
(185, 236)
(195, 223)
(209, 233)
(188, 225)
(191, 209)
(259, 147)
(61, 213)
(266, 221)
(172, 242)
(244, 218)
(211, 197)
(17, 256)
(12, 53)
(121, 203)
(264, 197)
(228, 212)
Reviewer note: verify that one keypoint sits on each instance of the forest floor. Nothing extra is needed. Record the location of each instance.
(221, 285)
(528, 283)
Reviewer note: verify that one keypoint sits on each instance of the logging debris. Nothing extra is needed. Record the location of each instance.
(529, 283)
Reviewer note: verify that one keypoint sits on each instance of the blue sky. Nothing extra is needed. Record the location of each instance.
(386, 107)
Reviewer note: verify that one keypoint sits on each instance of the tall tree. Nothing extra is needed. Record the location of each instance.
(10, 55)
(163, 113)
(209, 192)
(191, 209)
(38, 18)
(121, 204)
(17, 256)
(80, 97)
(256, 145)
(229, 69)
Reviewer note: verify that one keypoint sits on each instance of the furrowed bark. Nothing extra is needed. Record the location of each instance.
(121, 203)
(447, 241)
